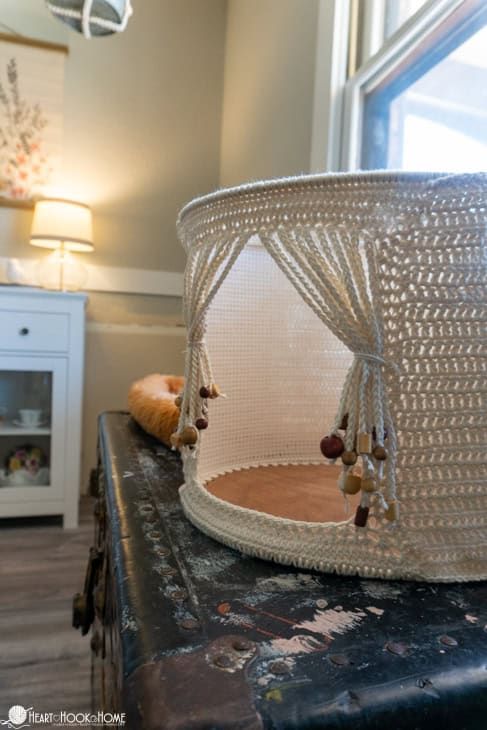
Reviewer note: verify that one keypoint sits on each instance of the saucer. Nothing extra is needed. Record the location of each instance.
(19, 424)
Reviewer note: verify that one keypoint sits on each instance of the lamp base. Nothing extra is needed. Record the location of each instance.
(62, 271)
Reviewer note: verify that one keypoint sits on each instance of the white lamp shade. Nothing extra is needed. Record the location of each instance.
(62, 224)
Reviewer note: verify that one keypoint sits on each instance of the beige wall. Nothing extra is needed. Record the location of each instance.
(192, 94)
(141, 125)
(268, 89)
(142, 119)
(117, 356)
(127, 337)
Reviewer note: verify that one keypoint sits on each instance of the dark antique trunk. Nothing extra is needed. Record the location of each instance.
(190, 635)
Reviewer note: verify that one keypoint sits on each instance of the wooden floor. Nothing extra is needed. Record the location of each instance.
(44, 662)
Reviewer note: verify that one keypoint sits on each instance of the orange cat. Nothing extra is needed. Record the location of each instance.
(151, 403)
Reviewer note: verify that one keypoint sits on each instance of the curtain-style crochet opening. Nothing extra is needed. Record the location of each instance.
(344, 319)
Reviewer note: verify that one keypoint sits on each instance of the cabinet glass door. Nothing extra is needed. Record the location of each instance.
(32, 427)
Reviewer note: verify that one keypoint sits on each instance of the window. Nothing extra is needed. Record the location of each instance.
(420, 103)
(396, 12)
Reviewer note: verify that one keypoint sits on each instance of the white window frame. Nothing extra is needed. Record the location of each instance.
(330, 77)
(393, 52)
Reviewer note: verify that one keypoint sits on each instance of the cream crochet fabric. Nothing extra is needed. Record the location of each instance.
(361, 294)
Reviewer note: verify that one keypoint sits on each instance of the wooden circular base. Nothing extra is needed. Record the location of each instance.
(305, 492)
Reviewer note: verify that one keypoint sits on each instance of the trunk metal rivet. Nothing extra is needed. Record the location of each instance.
(279, 667)
(223, 661)
(164, 552)
(190, 624)
(397, 648)
(167, 571)
(242, 645)
(179, 595)
(448, 640)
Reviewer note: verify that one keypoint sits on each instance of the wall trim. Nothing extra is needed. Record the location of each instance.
(33, 42)
(136, 329)
(113, 279)
(134, 281)
(330, 77)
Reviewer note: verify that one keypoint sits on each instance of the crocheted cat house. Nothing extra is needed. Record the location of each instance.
(344, 317)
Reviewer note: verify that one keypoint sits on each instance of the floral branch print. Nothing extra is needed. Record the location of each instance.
(24, 168)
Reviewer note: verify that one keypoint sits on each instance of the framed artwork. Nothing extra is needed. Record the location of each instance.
(31, 117)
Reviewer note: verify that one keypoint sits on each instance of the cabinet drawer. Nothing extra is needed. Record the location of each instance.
(42, 332)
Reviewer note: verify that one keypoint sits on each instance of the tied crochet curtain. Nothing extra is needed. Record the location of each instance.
(335, 273)
(206, 270)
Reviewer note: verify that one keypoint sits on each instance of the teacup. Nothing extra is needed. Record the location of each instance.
(30, 416)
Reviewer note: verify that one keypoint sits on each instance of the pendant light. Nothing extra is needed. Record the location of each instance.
(92, 17)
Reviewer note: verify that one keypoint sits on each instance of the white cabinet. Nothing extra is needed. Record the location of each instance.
(41, 386)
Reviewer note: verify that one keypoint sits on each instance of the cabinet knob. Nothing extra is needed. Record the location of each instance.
(24, 331)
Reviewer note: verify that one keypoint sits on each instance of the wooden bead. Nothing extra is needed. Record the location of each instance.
(368, 485)
(349, 458)
(189, 436)
(178, 401)
(204, 392)
(214, 391)
(364, 443)
(344, 422)
(352, 484)
(332, 446)
(392, 512)
(361, 516)
(201, 424)
(379, 453)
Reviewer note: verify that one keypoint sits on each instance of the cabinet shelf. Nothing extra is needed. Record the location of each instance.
(10, 429)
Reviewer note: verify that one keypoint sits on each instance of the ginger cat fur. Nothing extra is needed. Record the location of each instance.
(151, 404)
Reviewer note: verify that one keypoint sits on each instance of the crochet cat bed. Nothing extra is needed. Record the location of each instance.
(344, 316)
(153, 403)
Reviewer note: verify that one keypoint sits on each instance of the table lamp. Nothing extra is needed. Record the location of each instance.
(65, 226)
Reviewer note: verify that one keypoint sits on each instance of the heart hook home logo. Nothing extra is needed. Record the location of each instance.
(17, 716)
